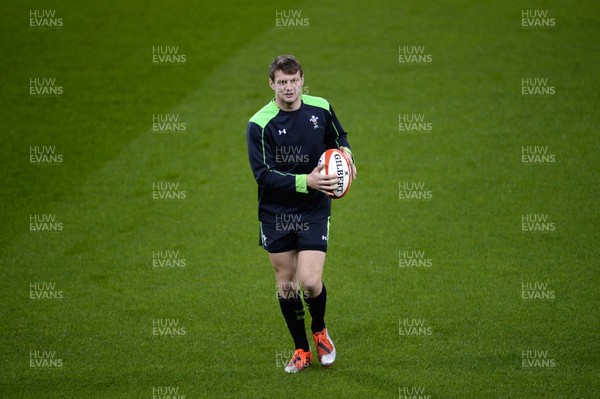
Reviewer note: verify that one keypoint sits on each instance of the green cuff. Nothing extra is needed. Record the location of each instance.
(349, 150)
(301, 184)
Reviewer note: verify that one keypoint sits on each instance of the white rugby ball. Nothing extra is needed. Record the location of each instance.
(336, 164)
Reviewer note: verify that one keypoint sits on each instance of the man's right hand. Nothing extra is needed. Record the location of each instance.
(324, 183)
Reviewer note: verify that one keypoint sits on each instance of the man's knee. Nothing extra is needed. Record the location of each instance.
(312, 285)
(288, 288)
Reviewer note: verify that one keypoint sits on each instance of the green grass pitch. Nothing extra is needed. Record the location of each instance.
(504, 300)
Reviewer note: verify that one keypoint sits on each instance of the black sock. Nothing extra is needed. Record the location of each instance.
(316, 307)
(293, 313)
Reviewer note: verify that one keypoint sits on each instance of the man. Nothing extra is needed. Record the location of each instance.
(285, 140)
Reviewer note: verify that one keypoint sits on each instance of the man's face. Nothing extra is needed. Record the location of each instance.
(287, 87)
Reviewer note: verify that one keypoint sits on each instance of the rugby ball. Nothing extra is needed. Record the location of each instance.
(336, 164)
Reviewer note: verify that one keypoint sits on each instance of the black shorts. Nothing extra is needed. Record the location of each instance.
(290, 232)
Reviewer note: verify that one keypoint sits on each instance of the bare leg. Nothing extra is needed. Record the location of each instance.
(310, 271)
(285, 265)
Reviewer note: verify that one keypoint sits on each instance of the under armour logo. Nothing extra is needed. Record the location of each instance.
(282, 132)
(324, 238)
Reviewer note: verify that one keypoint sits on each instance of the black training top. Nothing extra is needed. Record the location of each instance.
(283, 148)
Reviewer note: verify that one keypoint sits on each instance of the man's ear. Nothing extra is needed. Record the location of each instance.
(272, 84)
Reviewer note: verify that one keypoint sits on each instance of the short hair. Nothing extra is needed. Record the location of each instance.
(286, 63)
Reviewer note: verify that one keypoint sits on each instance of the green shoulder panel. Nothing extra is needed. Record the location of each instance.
(315, 101)
(266, 113)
